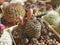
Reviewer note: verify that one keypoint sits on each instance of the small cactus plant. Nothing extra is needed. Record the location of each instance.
(12, 12)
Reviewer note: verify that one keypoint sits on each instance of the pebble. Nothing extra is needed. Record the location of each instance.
(34, 41)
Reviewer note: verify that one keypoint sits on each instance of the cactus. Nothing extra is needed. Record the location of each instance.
(31, 28)
(12, 11)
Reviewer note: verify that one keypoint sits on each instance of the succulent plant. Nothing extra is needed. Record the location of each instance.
(12, 12)
(51, 17)
(31, 26)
